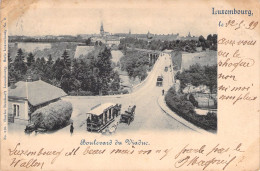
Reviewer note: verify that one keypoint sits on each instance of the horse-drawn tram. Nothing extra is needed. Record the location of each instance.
(102, 117)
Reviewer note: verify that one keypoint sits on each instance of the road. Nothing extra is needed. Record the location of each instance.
(148, 115)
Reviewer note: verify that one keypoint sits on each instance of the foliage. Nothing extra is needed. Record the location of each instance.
(184, 108)
(210, 42)
(176, 60)
(66, 59)
(88, 42)
(179, 45)
(63, 38)
(19, 63)
(17, 68)
(178, 102)
(211, 75)
(91, 76)
(197, 75)
(192, 99)
(125, 91)
(30, 59)
(135, 63)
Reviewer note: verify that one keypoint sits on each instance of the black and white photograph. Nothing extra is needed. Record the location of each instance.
(109, 72)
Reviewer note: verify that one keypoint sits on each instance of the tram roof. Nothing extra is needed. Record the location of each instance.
(100, 109)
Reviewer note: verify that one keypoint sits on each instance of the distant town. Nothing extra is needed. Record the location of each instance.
(103, 36)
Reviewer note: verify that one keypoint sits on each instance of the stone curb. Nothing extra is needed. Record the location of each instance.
(168, 111)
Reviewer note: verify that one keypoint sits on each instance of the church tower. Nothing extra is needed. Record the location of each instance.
(189, 35)
(149, 36)
(102, 30)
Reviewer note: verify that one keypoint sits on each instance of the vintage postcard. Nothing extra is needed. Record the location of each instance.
(130, 85)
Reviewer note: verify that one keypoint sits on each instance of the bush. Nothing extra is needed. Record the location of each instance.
(180, 104)
(135, 63)
(192, 99)
(53, 116)
(116, 92)
(81, 93)
(125, 91)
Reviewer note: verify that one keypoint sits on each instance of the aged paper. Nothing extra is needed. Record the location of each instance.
(129, 85)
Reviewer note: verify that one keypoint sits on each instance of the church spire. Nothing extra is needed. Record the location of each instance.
(101, 29)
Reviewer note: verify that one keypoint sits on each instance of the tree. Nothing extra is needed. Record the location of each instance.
(30, 59)
(12, 76)
(215, 38)
(48, 74)
(198, 75)
(20, 55)
(88, 41)
(115, 84)
(209, 38)
(104, 69)
(201, 39)
(43, 62)
(211, 77)
(50, 61)
(66, 59)
(124, 49)
(57, 68)
(19, 63)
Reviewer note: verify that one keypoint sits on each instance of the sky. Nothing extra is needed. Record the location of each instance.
(84, 17)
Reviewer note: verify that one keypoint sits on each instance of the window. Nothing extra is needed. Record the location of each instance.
(16, 111)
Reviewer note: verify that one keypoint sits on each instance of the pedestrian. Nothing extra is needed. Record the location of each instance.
(71, 128)
(163, 92)
(130, 109)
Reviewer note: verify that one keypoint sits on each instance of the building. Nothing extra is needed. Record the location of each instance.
(112, 40)
(82, 51)
(102, 31)
(26, 97)
(189, 37)
(95, 39)
(105, 37)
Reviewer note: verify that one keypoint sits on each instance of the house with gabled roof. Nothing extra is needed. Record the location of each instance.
(26, 97)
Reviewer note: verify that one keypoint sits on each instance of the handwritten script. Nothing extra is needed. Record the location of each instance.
(234, 58)
(203, 156)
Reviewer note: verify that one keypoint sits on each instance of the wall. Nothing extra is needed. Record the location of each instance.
(23, 108)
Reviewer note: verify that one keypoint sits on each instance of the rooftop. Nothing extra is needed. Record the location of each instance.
(100, 109)
(36, 92)
(83, 50)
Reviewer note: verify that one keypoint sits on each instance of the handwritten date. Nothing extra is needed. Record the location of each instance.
(240, 24)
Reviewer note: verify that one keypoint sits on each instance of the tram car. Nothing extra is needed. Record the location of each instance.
(159, 81)
(102, 117)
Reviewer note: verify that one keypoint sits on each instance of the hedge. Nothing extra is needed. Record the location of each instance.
(185, 109)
